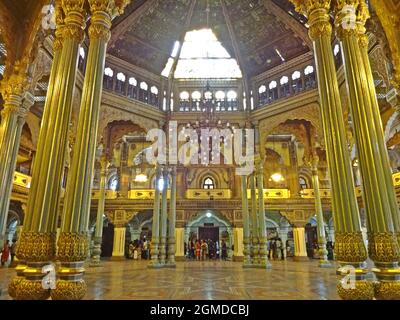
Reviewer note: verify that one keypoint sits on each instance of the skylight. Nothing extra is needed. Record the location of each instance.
(202, 56)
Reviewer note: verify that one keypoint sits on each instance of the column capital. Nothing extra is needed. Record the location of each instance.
(74, 19)
(317, 12)
(16, 83)
(346, 16)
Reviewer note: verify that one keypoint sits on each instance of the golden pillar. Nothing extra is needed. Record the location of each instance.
(73, 241)
(246, 224)
(262, 232)
(378, 192)
(349, 246)
(155, 230)
(164, 217)
(16, 105)
(172, 221)
(254, 222)
(37, 243)
(323, 252)
(98, 237)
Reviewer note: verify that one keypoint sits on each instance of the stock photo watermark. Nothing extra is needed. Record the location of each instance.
(202, 147)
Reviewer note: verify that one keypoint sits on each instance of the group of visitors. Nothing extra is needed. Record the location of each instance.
(313, 250)
(139, 249)
(8, 252)
(276, 249)
(201, 250)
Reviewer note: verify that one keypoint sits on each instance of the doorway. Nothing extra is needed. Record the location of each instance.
(209, 233)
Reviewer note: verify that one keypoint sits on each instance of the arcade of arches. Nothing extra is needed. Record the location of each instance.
(315, 85)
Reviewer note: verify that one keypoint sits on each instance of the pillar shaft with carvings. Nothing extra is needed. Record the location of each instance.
(16, 105)
(262, 229)
(254, 221)
(98, 237)
(76, 207)
(246, 223)
(349, 246)
(381, 207)
(37, 242)
(164, 218)
(323, 252)
(155, 231)
(172, 221)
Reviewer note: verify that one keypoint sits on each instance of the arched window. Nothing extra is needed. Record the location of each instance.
(336, 49)
(184, 96)
(108, 78)
(121, 77)
(273, 91)
(303, 183)
(108, 72)
(121, 82)
(220, 95)
(308, 70)
(132, 81)
(208, 183)
(262, 89)
(284, 80)
(196, 95)
(154, 90)
(272, 85)
(82, 52)
(296, 75)
(231, 95)
(113, 183)
(144, 86)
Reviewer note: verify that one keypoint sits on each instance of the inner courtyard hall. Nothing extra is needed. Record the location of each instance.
(199, 149)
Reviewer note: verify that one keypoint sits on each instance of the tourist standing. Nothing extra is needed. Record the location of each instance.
(5, 253)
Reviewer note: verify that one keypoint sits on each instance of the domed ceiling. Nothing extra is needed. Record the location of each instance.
(259, 34)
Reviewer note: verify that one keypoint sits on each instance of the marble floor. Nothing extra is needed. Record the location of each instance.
(192, 280)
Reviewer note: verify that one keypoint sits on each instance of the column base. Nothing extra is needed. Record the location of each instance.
(170, 265)
(69, 290)
(324, 264)
(15, 282)
(387, 290)
(154, 265)
(361, 290)
(31, 290)
(94, 262)
(180, 258)
(301, 258)
(266, 266)
(238, 258)
(116, 258)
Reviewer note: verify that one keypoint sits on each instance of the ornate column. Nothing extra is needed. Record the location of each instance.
(381, 207)
(72, 244)
(238, 244)
(262, 232)
(98, 236)
(37, 243)
(323, 252)
(246, 224)
(155, 232)
(349, 246)
(16, 106)
(283, 234)
(254, 222)
(172, 221)
(300, 249)
(180, 242)
(164, 216)
(118, 252)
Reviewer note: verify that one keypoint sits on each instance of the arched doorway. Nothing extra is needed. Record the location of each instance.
(209, 225)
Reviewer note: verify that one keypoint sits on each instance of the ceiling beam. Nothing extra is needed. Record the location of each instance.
(236, 49)
(182, 38)
(130, 37)
(271, 43)
(297, 28)
(125, 24)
